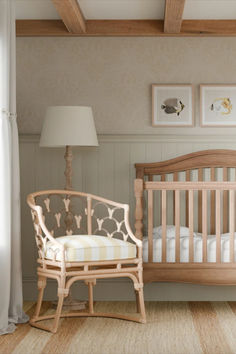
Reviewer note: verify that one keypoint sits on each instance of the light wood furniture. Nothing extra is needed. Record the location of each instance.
(90, 215)
(211, 202)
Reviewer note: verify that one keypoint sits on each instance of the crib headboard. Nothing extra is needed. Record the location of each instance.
(211, 159)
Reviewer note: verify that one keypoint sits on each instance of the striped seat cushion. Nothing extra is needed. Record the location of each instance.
(83, 248)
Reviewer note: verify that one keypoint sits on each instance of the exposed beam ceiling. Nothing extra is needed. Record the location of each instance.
(71, 15)
(173, 16)
(128, 9)
(190, 28)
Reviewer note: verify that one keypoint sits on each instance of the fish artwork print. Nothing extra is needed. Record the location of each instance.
(221, 106)
(173, 106)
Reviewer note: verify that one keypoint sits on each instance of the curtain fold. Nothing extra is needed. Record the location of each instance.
(11, 301)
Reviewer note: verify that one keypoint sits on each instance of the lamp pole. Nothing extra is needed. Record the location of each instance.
(68, 171)
(68, 174)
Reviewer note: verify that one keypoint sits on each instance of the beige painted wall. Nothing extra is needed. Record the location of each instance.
(114, 76)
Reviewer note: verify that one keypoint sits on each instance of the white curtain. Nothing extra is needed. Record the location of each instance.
(11, 311)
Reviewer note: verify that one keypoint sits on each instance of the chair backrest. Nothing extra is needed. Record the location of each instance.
(70, 212)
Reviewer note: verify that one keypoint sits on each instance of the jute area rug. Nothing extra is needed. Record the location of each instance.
(172, 328)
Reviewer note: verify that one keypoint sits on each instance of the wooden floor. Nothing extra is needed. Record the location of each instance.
(172, 328)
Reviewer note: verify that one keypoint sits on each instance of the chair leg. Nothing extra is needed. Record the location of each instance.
(90, 284)
(137, 302)
(62, 292)
(42, 281)
(141, 305)
(58, 313)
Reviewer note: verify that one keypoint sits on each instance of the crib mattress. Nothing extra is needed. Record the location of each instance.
(184, 249)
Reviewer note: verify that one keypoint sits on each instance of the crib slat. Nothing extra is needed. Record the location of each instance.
(163, 222)
(177, 226)
(218, 242)
(163, 178)
(187, 178)
(225, 202)
(175, 179)
(190, 211)
(200, 179)
(150, 225)
(150, 178)
(204, 225)
(231, 223)
(212, 229)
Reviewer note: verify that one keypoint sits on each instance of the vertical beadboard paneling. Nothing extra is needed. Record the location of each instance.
(27, 175)
(90, 169)
(43, 168)
(106, 170)
(121, 172)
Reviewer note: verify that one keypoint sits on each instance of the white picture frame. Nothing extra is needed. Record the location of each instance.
(172, 105)
(218, 105)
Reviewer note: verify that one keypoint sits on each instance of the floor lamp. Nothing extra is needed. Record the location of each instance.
(69, 126)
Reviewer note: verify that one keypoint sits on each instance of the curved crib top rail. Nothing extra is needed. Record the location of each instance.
(196, 160)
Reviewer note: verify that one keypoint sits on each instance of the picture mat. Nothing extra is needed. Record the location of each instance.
(208, 95)
(160, 94)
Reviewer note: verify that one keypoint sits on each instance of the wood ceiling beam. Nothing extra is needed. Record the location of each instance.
(71, 15)
(127, 28)
(173, 16)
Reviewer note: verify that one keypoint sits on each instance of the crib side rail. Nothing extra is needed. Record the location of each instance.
(222, 186)
(218, 188)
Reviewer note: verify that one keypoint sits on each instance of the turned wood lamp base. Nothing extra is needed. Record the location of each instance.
(69, 302)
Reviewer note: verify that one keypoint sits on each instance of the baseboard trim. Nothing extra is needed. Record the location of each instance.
(122, 290)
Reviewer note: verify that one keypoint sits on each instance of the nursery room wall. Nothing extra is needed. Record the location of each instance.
(114, 76)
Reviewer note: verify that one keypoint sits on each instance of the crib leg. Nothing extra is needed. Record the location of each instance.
(139, 297)
(141, 305)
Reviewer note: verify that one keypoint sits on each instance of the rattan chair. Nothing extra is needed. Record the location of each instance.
(83, 237)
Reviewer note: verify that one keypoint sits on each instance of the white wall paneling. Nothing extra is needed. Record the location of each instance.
(108, 170)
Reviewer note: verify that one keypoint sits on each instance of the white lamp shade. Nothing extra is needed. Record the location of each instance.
(68, 125)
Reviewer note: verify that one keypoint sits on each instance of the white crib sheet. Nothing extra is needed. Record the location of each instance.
(184, 249)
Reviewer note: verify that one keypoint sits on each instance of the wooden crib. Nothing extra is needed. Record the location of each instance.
(197, 191)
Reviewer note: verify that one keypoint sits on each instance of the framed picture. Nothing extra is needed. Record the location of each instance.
(218, 105)
(172, 105)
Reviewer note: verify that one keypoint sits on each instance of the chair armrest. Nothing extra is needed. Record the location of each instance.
(38, 209)
(138, 242)
(126, 216)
